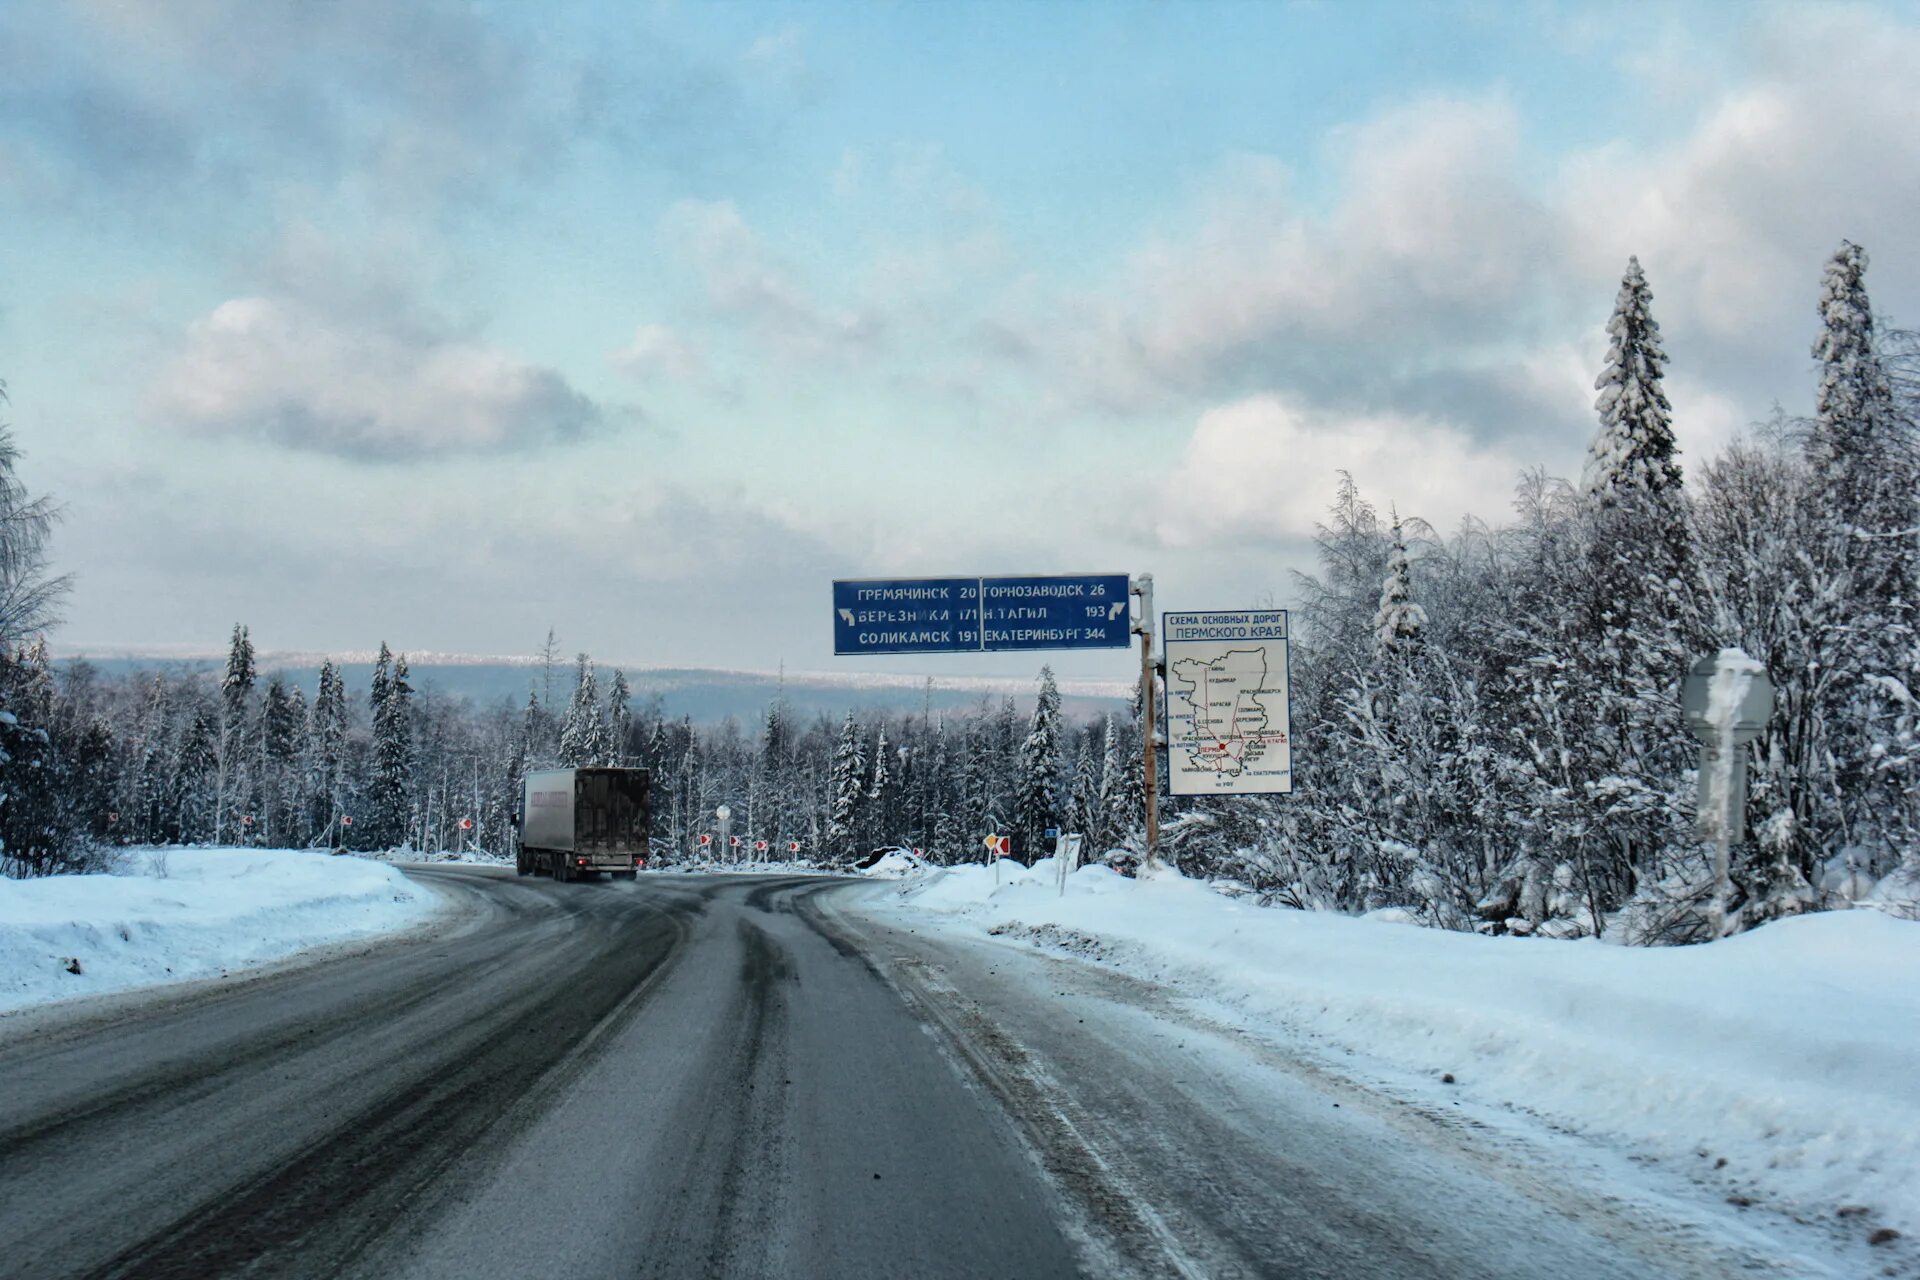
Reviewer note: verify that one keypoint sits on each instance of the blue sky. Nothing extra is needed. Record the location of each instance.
(445, 323)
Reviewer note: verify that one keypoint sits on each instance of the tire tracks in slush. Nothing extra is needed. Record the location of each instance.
(396, 1154)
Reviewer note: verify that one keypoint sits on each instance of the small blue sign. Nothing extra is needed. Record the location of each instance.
(906, 615)
(959, 615)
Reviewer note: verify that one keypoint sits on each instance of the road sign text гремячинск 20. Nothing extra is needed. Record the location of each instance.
(980, 615)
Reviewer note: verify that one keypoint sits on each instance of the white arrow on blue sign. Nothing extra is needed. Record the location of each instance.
(980, 615)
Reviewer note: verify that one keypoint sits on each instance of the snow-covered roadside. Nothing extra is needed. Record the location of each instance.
(172, 914)
(1785, 1060)
(438, 857)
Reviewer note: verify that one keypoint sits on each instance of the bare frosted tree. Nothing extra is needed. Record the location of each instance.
(29, 595)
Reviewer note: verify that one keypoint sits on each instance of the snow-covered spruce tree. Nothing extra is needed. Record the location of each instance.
(35, 830)
(1636, 622)
(236, 690)
(1411, 740)
(530, 731)
(1127, 811)
(1633, 453)
(390, 783)
(581, 733)
(686, 822)
(773, 775)
(1037, 802)
(1103, 830)
(151, 821)
(881, 825)
(906, 782)
(952, 832)
(195, 772)
(1864, 465)
(279, 733)
(619, 719)
(1084, 791)
(661, 765)
(1388, 724)
(1541, 693)
(1399, 622)
(326, 754)
(294, 793)
(845, 784)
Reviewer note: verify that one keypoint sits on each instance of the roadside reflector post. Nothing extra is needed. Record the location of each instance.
(1142, 587)
(1066, 853)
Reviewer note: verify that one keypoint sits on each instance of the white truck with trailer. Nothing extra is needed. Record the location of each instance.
(576, 823)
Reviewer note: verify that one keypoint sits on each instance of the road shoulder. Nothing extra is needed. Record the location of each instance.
(1132, 1095)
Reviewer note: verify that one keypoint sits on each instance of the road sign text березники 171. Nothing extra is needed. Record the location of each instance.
(980, 615)
(1228, 718)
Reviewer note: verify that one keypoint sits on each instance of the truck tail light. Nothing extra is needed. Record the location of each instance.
(639, 861)
(580, 862)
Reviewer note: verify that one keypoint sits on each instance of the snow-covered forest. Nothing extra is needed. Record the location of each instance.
(251, 759)
(1486, 719)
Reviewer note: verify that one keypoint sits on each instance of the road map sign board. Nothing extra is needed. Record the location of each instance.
(944, 615)
(1228, 722)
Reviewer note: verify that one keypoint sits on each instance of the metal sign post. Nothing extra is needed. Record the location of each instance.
(725, 815)
(1142, 586)
(1727, 700)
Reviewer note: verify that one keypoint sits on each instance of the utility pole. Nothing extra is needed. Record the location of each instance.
(1142, 586)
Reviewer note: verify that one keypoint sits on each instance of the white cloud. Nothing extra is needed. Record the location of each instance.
(660, 351)
(1438, 259)
(1262, 469)
(1431, 237)
(745, 282)
(1734, 219)
(360, 385)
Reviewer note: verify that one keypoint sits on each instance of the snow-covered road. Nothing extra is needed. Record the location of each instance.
(1205, 1146)
(724, 1076)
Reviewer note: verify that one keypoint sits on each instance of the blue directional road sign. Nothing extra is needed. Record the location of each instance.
(906, 615)
(1076, 611)
(982, 615)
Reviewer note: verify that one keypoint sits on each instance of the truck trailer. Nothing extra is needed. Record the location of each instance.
(575, 823)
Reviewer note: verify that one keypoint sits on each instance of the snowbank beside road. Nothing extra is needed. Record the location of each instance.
(172, 914)
(1791, 1053)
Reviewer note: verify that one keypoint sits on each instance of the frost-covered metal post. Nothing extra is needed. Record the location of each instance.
(1142, 587)
(1727, 699)
(1066, 857)
(725, 814)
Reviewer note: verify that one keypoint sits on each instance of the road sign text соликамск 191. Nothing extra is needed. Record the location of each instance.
(980, 615)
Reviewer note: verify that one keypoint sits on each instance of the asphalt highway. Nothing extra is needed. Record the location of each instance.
(724, 1077)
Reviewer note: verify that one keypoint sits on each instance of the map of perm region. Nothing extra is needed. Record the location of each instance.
(1229, 719)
